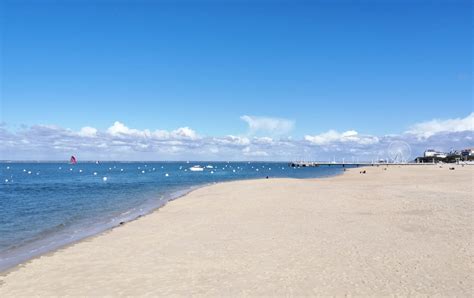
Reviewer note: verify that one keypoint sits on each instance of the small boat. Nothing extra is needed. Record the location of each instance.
(73, 160)
(196, 169)
(209, 167)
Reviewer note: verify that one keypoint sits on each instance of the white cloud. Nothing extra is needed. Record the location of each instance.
(430, 128)
(184, 132)
(272, 126)
(160, 134)
(263, 140)
(247, 151)
(119, 129)
(88, 131)
(233, 140)
(120, 142)
(333, 136)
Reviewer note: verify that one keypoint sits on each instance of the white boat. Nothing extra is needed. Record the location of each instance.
(209, 167)
(196, 169)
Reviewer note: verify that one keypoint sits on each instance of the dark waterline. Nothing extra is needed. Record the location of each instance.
(44, 206)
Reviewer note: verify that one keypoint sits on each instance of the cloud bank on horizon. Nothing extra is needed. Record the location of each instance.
(267, 139)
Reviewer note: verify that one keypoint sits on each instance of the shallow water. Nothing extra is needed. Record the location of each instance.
(44, 206)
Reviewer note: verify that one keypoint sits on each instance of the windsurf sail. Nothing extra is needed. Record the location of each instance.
(73, 160)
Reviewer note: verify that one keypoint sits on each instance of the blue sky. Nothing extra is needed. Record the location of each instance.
(376, 67)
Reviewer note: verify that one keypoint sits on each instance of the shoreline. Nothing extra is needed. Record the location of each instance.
(333, 184)
(101, 230)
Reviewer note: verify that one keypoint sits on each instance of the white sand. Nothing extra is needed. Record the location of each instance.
(402, 231)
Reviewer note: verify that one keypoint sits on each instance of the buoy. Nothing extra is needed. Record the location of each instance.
(104, 179)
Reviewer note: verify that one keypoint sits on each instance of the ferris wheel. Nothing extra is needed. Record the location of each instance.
(399, 152)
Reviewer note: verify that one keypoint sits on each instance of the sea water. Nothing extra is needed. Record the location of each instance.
(44, 206)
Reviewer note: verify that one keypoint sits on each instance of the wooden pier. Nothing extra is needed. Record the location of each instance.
(303, 164)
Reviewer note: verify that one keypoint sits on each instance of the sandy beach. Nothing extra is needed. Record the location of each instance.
(405, 230)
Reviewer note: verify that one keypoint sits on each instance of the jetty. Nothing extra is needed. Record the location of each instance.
(303, 164)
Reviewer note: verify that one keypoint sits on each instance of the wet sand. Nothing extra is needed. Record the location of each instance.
(405, 230)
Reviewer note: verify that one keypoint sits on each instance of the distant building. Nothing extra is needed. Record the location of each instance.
(467, 152)
(434, 153)
(429, 153)
(433, 156)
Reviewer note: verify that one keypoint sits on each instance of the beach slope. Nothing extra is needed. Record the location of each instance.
(403, 230)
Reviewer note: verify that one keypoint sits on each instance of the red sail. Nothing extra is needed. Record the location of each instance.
(73, 160)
